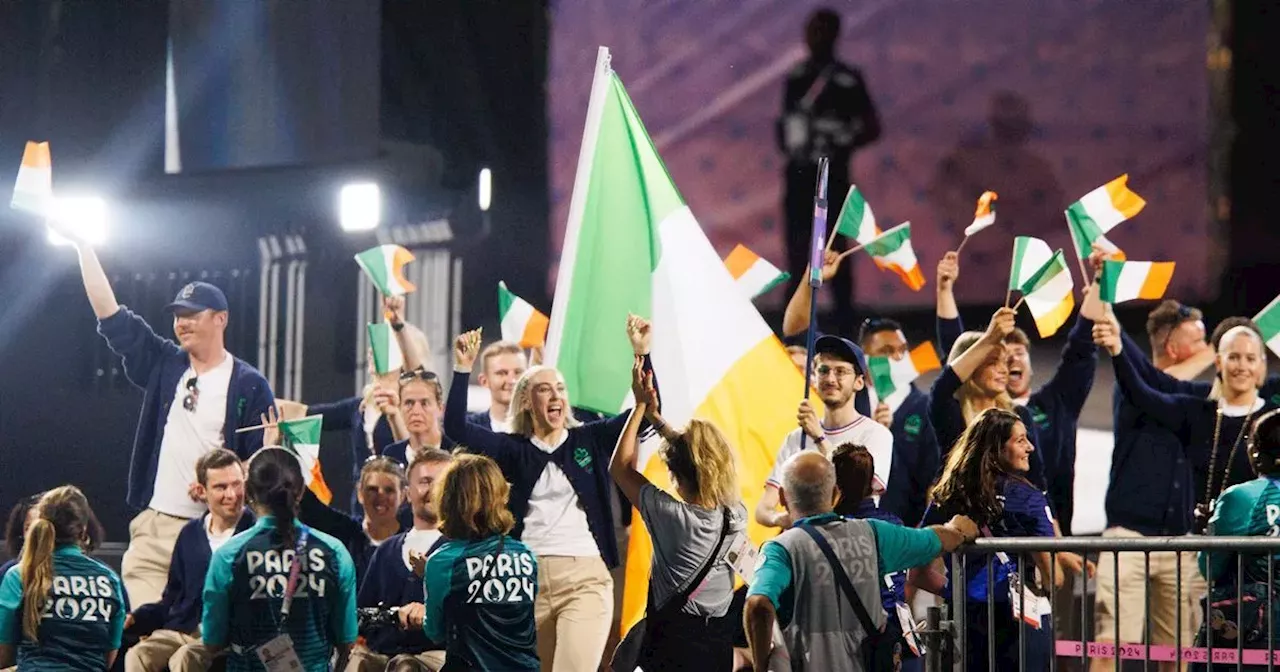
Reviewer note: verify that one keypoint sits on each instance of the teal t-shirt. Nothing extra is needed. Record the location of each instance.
(1249, 509)
(244, 590)
(83, 618)
(479, 601)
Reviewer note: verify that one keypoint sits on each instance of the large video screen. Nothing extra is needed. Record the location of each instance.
(1038, 100)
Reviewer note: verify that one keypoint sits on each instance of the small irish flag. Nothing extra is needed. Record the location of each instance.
(384, 265)
(856, 219)
(1128, 280)
(1091, 217)
(892, 250)
(1268, 322)
(891, 377)
(302, 436)
(34, 189)
(984, 215)
(1048, 294)
(754, 275)
(1029, 255)
(521, 322)
(387, 356)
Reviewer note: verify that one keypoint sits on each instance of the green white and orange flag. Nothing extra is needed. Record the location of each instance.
(1268, 322)
(1048, 294)
(633, 246)
(984, 215)
(754, 274)
(302, 436)
(387, 356)
(892, 378)
(1029, 255)
(1091, 217)
(1129, 280)
(892, 250)
(521, 322)
(856, 220)
(384, 265)
(33, 191)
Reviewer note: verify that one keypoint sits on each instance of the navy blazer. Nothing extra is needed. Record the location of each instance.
(388, 582)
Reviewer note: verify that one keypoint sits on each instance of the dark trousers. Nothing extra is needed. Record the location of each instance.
(801, 181)
(685, 642)
(1039, 643)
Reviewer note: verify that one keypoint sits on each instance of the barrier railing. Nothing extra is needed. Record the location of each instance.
(949, 633)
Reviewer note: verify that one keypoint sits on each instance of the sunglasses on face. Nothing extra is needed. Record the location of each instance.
(193, 395)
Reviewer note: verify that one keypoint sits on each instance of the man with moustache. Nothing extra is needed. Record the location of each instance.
(196, 395)
(392, 581)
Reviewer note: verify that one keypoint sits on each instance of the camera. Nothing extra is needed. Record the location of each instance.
(368, 618)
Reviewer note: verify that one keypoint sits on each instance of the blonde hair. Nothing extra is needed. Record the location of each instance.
(701, 460)
(497, 348)
(63, 517)
(472, 499)
(1215, 393)
(520, 416)
(970, 390)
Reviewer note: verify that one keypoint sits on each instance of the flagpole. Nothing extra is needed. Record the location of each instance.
(577, 204)
(961, 247)
(1018, 305)
(1013, 261)
(815, 276)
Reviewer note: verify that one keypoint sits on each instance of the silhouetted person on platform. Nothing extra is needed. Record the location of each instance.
(826, 111)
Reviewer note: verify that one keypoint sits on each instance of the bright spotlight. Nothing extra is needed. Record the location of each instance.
(83, 217)
(485, 193)
(360, 206)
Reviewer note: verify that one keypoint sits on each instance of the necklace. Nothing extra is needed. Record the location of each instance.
(1209, 494)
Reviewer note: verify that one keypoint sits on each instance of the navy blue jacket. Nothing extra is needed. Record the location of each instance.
(584, 457)
(916, 458)
(347, 530)
(180, 606)
(1055, 409)
(155, 365)
(389, 582)
(346, 415)
(399, 451)
(948, 422)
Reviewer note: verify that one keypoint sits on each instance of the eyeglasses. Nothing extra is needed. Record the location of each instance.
(839, 372)
(420, 373)
(193, 395)
(1185, 312)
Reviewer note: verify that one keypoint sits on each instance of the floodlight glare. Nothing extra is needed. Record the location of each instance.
(360, 206)
(485, 193)
(84, 217)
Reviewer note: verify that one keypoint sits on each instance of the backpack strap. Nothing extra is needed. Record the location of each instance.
(677, 601)
(842, 579)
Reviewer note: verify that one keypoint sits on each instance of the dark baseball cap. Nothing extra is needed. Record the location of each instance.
(198, 296)
(843, 348)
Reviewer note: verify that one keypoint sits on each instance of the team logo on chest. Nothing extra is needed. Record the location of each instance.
(913, 425)
(582, 456)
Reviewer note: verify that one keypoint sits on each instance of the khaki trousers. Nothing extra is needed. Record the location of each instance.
(145, 566)
(166, 649)
(364, 660)
(574, 606)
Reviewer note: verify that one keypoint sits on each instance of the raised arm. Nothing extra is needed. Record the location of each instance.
(1001, 326)
(96, 286)
(949, 324)
(796, 318)
(1073, 380)
(1170, 410)
(476, 438)
(622, 466)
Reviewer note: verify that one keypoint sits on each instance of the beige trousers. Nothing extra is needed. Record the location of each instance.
(166, 649)
(574, 606)
(364, 660)
(145, 566)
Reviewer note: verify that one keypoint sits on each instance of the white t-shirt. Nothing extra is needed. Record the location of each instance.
(863, 431)
(188, 435)
(216, 540)
(499, 426)
(418, 541)
(556, 523)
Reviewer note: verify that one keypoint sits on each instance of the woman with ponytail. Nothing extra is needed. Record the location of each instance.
(279, 583)
(60, 609)
(691, 581)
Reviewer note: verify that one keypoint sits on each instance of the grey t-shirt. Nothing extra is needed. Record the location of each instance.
(683, 537)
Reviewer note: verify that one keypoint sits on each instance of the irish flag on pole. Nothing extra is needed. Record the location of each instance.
(755, 275)
(384, 265)
(1268, 322)
(1128, 280)
(892, 378)
(633, 246)
(1029, 255)
(386, 349)
(984, 215)
(34, 189)
(856, 219)
(1091, 217)
(303, 438)
(892, 250)
(521, 322)
(1048, 294)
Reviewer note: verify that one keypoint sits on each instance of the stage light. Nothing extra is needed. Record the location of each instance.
(84, 217)
(360, 206)
(484, 195)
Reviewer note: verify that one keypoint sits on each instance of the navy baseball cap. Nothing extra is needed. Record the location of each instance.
(198, 296)
(848, 351)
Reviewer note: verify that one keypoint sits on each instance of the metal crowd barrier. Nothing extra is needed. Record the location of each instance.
(947, 632)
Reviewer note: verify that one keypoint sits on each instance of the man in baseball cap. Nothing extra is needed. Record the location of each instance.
(197, 395)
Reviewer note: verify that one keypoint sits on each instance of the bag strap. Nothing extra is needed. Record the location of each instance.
(677, 601)
(846, 586)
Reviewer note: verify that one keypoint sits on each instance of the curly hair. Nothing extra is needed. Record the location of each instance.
(968, 481)
(701, 461)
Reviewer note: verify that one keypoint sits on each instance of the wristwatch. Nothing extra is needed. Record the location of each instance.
(397, 326)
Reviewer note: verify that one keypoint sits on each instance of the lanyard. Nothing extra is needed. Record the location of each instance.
(295, 573)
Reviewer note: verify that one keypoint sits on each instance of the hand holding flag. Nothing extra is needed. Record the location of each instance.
(1048, 293)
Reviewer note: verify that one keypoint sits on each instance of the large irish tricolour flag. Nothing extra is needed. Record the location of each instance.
(633, 246)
